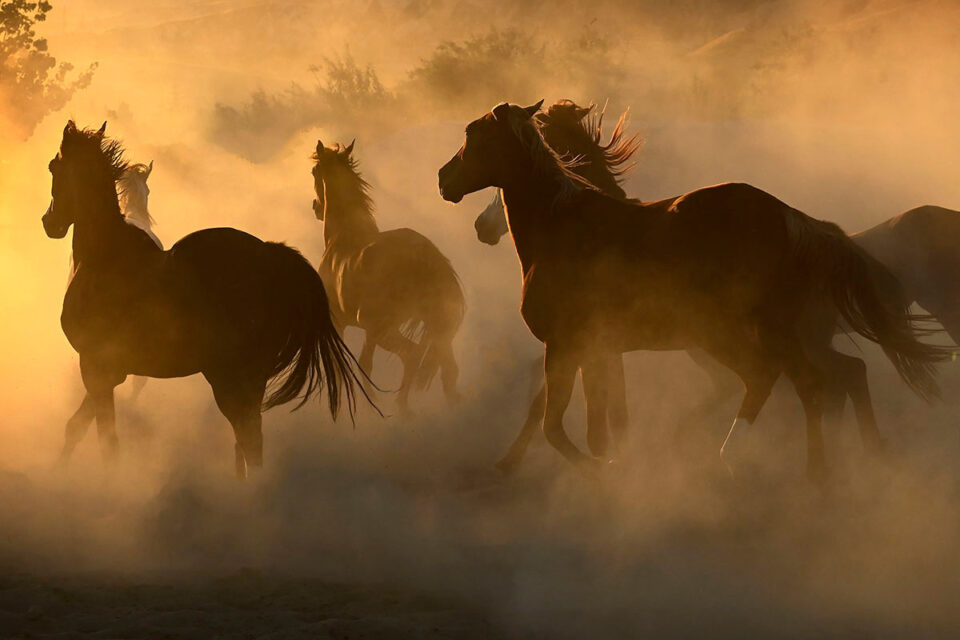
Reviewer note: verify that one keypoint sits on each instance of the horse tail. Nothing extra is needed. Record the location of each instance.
(313, 354)
(441, 321)
(869, 298)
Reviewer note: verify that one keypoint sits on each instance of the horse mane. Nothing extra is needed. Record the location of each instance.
(363, 215)
(547, 164)
(588, 133)
(108, 151)
(619, 150)
(139, 170)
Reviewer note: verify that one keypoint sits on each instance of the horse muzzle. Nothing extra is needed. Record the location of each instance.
(447, 179)
(52, 226)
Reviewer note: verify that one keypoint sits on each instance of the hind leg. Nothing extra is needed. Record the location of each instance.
(808, 382)
(449, 371)
(758, 369)
(409, 353)
(239, 400)
(847, 375)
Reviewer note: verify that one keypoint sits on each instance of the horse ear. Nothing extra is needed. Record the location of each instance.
(502, 112)
(583, 111)
(149, 170)
(71, 127)
(319, 148)
(103, 129)
(349, 148)
(532, 109)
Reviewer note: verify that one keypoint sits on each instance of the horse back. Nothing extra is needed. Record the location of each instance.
(920, 247)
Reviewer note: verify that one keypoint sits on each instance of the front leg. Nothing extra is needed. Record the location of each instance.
(77, 427)
(100, 383)
(596, 382)
(560, 367)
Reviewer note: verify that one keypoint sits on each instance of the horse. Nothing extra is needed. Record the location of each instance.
(395, 285)
(729, 269)
(133, 194)
(251, 316)
(911, 245)
(572, 132)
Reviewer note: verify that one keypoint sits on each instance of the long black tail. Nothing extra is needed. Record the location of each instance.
(869, 298)
(313, 355)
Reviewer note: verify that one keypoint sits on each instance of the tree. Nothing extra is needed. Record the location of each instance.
(32, 83)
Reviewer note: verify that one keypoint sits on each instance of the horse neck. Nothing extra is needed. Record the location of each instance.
(348, 219)
(137, 212)
(98, 233)
(527, 208)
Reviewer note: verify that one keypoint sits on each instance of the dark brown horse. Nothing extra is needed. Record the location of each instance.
(573, 133)
(916, 246)
(247, 314)
(728, 269)
(395, 285)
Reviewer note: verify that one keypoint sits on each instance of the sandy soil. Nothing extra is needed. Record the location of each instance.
(247, 604)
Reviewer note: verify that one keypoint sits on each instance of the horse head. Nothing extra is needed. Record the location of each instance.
(492, 154)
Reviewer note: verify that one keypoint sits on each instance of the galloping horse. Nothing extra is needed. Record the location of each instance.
(569, 131)
(728, 269)
(133, 194)
(247, 314)
(395, 284)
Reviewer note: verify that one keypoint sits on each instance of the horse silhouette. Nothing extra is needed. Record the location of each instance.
(574, 133)
(251, 316)
(395, 285)
(728, 269)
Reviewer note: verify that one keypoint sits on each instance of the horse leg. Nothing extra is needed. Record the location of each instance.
(847, 375)
(595, 376)
(808, 382)
(759, 371)
(77, 427)
(240, 401)
(137, 385)
(449, 370)
(560, 367)
(508, 463)
(723, 388)
(366, 360)
(617, 401)
(409, 352)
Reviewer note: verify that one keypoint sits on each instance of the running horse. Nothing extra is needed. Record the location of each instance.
(572, 132)
(728, 269)
(251, 316)
(395, 285)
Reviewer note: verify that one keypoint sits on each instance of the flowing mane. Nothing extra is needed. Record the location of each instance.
(352, 190)
(107, 152)
(614, 155)
(547, 165)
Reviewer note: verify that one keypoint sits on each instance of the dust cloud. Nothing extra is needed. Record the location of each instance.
(846, 112)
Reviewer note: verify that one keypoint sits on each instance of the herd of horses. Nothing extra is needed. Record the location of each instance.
(737, 278)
